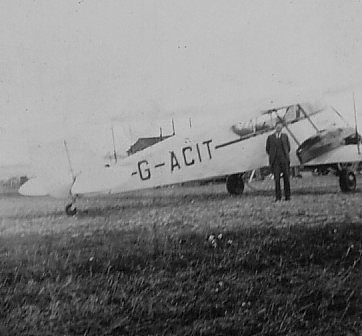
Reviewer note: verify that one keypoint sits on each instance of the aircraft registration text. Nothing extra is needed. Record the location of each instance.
(188, 156)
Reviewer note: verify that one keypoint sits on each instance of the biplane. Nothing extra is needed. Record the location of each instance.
(319, 137)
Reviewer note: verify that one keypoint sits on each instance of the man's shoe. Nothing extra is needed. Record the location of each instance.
(277, 200)
(287, 198)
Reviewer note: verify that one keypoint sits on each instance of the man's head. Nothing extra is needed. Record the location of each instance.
(279, 126)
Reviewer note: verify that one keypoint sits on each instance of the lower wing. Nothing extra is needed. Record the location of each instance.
(345, 153)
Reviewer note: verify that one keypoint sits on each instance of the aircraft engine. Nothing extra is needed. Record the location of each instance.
(323, 142)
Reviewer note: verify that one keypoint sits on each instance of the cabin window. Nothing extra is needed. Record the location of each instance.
(293, 113)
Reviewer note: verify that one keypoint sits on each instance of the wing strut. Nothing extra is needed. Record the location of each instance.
(309, 119)
(287, 128)
(114, 146)
(355, 122)
(69, 161)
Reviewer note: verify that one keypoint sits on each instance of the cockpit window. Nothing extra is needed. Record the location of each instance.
(293, 113)
(297, 112)
(311, 108)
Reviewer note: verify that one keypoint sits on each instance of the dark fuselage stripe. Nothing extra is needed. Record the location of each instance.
(229, 143)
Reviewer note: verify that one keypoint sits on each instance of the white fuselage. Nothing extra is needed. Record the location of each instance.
(213, 152)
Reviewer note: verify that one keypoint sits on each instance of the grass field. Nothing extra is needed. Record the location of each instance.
(144, 263)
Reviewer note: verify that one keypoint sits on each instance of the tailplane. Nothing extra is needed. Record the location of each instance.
(56, 166)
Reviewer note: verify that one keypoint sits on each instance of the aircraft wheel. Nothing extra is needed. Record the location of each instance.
(347, 180)
(235, 184)
(70, 210)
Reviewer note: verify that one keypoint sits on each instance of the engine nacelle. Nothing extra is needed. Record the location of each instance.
(323, 142)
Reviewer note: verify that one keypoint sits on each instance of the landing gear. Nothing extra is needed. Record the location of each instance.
(235, 184)
(347, 180)
(70, 209)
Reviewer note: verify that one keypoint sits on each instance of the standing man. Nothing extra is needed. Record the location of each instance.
(278, 148)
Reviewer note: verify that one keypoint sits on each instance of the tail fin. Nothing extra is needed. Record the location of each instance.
(56, 166)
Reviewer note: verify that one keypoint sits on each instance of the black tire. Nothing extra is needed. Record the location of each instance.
(235, 184)
(70, 210)
(347, 180)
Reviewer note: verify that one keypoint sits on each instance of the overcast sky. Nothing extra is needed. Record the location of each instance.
(76, 66)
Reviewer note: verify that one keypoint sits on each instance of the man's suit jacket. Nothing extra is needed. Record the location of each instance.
(271, 147)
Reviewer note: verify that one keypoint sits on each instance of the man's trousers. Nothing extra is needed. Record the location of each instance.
(278, 168)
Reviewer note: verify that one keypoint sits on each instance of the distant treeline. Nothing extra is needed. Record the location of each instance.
(12, 183)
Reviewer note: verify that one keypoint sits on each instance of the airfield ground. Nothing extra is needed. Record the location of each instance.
(143, 263)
